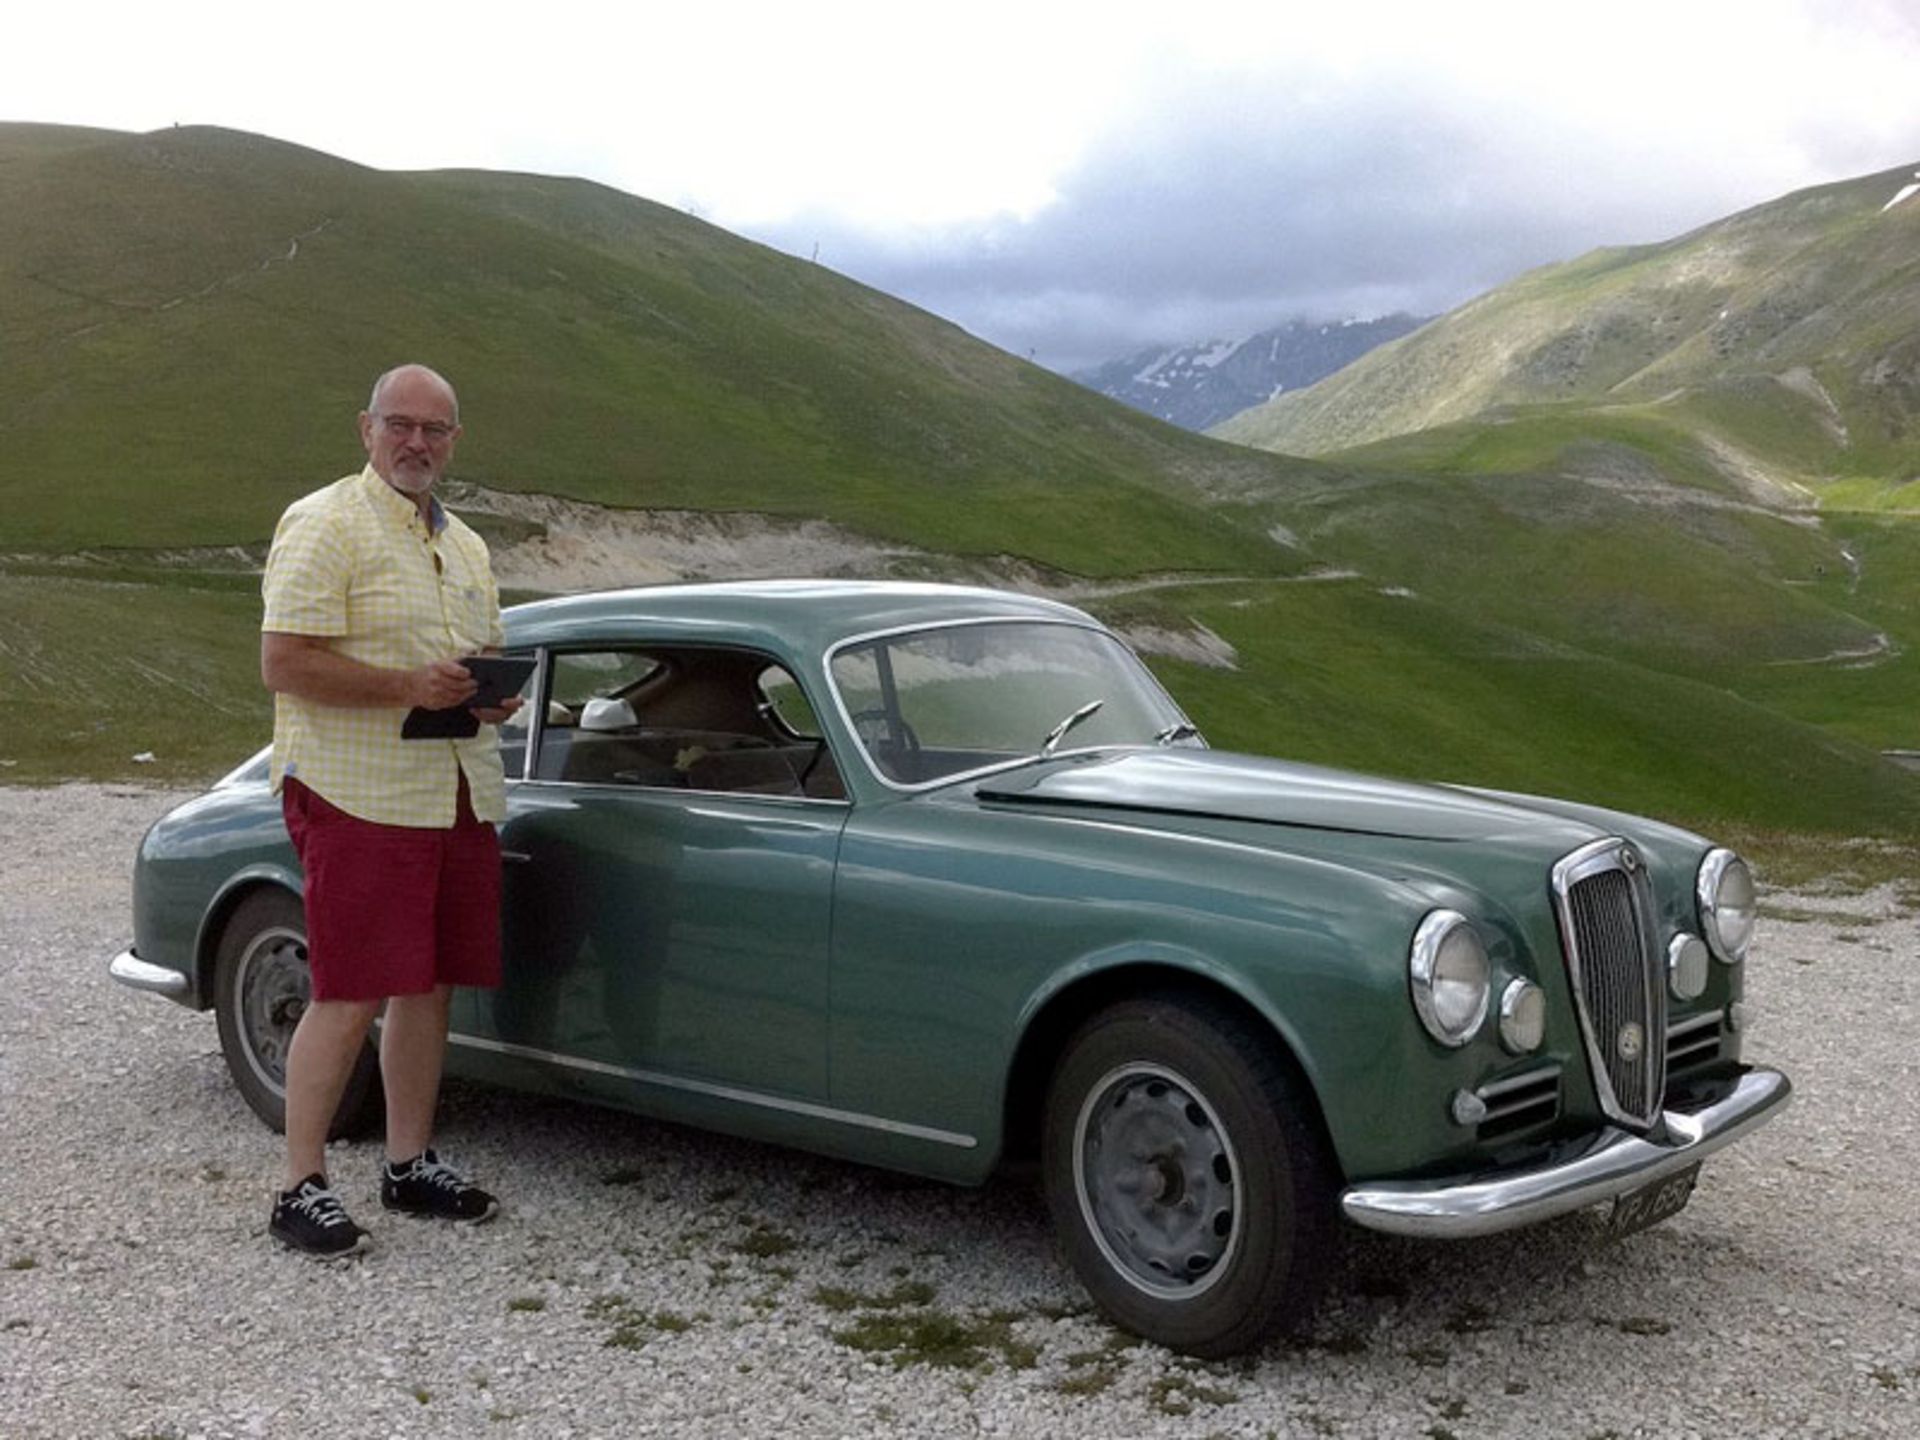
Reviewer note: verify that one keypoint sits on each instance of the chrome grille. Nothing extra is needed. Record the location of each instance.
(1605, 904)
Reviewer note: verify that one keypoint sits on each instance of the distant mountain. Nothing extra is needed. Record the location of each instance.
(1198, 386)
(1790, 330)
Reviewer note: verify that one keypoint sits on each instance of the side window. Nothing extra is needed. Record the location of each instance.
(591, 697)
(709, 719)
(580, 676)
(786, 704)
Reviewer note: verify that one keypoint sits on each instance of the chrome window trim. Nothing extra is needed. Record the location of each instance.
(537, 722)
(1616, 853)
(622, 788)
(979, 772)
(714, 1091)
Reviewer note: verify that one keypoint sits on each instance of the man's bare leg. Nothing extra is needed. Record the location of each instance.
(320, 1061)
(413, 1049)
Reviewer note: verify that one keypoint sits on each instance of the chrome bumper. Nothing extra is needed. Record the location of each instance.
(1614, 1163)
(129, 969)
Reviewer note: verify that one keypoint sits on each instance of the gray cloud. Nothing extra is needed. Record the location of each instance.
(1220, 212)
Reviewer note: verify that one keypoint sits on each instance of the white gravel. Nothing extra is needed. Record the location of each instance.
(650, 1280)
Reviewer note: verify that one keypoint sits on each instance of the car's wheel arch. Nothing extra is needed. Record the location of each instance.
(234, 892)
(1055, 1014)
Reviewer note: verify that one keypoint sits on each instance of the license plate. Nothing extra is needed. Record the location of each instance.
(1650, 1204)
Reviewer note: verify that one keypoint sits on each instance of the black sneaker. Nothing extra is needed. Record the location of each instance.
(311, 1218)
(427, 1185)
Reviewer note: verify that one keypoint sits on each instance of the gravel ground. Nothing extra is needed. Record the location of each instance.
(646, 1279)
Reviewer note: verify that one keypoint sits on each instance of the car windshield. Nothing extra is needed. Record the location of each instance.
(936, 703)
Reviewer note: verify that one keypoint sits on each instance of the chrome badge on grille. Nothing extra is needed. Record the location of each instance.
(1631, 1042)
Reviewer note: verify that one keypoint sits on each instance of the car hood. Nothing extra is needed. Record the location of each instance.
(1217, 785)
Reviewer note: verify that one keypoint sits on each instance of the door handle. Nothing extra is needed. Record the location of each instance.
(518, 857)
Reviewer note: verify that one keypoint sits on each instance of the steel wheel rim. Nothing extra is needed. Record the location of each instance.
(1158, 1181)
(271, 990)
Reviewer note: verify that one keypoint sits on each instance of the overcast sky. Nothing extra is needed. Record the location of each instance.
(1069, 181)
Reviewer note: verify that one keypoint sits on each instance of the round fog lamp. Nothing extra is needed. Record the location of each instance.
(1523, 1016)
(1687, 967)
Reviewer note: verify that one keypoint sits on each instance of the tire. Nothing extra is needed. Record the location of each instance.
(1187, 1176)
(260, 990)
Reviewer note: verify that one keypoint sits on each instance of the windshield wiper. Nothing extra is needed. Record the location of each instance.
(1184, 730)
(1059, 732)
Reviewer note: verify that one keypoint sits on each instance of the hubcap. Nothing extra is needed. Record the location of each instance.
(1157, 1180)
(271, 988)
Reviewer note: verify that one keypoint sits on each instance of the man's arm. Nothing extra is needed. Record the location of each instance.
(309, 667)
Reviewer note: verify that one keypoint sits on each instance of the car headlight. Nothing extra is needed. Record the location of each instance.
(1523, 1016)
(1448, 974)
(1727, 904)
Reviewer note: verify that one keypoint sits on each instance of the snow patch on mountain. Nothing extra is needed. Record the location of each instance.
(1198, 386)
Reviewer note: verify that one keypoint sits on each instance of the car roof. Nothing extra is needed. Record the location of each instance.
(803, 617)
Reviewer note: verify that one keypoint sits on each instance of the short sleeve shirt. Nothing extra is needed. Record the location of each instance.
(355, 563)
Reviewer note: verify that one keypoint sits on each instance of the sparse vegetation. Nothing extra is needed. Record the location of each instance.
(903, 1293)
(1178, 1394)
(762, 1242)
(632, 1325)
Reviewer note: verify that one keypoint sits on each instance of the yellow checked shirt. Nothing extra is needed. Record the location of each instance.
(355, 563)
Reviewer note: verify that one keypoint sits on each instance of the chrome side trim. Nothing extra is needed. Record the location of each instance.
(1611, 1164)
(717, 1092)
(1679, 1029)
(130, 969)
(1544, 1075)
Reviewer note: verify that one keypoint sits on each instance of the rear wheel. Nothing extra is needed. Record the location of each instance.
(261, 988)
(1186, 1174)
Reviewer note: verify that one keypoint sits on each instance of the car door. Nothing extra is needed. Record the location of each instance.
(667, 902)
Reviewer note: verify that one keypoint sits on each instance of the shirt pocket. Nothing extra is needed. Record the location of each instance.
(464, 594)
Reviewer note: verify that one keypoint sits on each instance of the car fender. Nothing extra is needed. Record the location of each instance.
(220, 908)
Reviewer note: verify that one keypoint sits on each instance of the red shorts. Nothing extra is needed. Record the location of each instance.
(394, 910)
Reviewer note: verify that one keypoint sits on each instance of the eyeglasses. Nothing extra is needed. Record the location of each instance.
(434, 432)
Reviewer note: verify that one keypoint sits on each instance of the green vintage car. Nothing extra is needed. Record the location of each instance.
(940, 879)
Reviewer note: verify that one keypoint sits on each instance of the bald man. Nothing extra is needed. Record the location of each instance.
(373, 593)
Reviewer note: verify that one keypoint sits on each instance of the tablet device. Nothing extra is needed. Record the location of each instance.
(498, 676)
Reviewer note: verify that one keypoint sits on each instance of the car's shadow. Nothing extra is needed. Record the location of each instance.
(765, 1221)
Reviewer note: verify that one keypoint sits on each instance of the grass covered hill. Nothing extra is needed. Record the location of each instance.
(1791, 330)
(189, 319)
(1590, 605)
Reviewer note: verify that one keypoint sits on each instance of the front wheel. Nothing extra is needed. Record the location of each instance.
(261, 988)
(1186, 1174)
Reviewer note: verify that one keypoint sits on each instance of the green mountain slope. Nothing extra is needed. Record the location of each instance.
(187, 320)
(1792, 328)
(1610, 603)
